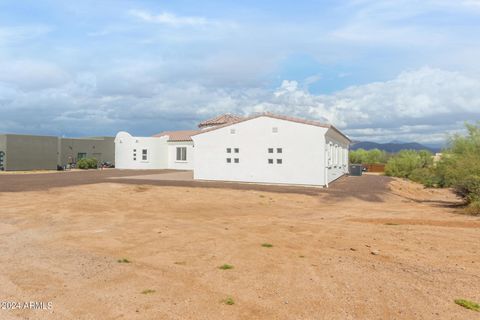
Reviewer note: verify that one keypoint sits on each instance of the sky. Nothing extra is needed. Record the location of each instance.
(403, 70)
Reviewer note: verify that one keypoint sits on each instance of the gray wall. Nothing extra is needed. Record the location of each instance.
(102, 148)
(27, 152)
(24, 152)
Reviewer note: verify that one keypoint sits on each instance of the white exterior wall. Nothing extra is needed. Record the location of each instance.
(173, 163)
(157, 152)
(336, 149)
(303, 153)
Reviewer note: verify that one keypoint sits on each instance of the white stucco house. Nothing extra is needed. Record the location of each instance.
(263, 148)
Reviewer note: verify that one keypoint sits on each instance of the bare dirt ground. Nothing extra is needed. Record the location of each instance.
(368, 248)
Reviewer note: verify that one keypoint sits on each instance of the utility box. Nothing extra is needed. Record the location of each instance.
(356, 169)
(2, 160)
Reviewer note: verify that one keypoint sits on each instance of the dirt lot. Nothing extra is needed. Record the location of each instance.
(368, 248)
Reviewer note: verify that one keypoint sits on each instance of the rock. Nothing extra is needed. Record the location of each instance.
(375, 252)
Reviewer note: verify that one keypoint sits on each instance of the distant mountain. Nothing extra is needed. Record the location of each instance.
(391, 146)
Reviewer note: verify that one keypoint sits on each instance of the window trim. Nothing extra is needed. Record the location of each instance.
(183, 154)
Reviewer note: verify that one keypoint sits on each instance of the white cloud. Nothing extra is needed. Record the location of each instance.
(170, 19)
(418, 105)
(32, 75)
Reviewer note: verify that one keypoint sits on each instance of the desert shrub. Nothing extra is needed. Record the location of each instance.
(87, 163)
(406, 161)
(370, 156)
(468, 188)
(473, 208)
(460, 166)
(425, 176)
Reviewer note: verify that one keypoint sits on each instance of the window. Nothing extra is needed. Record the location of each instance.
(81, 155)
(229, 150)
(279, 150)
(181, 153)
(134, 150)
(144, 154)
(274, 129)
(279, 161)
(270, 161)
(270, 150)
(236, 150)
(236, 160)
(229, 160)
(232, 131)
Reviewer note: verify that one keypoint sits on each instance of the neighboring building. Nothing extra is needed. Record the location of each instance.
(29, 152)
(264, 148)
(26, 152)
(73, 149)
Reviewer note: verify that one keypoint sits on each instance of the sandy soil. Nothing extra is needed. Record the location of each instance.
(405, 254)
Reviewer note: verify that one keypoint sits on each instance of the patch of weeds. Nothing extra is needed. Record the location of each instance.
(391, 224)
(267, 245)
(148, 291)
(181, 263)
(468, 304)
(261, 196)
(229, 301)
(123, 260)
(226, 267)
(301, 256)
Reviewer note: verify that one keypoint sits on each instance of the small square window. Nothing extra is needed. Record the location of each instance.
(134, 159)
(236, 160)
(229, 150)
(232, 131)
(279, 161)
(134, 150)
(229, 160)
(270, 150)
(274, 129)
(279, 150)
(270, 161)
(237, 150)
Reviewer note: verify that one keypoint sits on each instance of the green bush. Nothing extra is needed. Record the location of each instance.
(473, 208)
(458, 168)
(87, 163)
(405, 162)
(425, 176)
(368, 157)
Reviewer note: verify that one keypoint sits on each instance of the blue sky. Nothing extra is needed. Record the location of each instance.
(380, 70)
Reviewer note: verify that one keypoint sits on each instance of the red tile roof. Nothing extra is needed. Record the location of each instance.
(220, 120)
(280, 117)
(183, 135)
